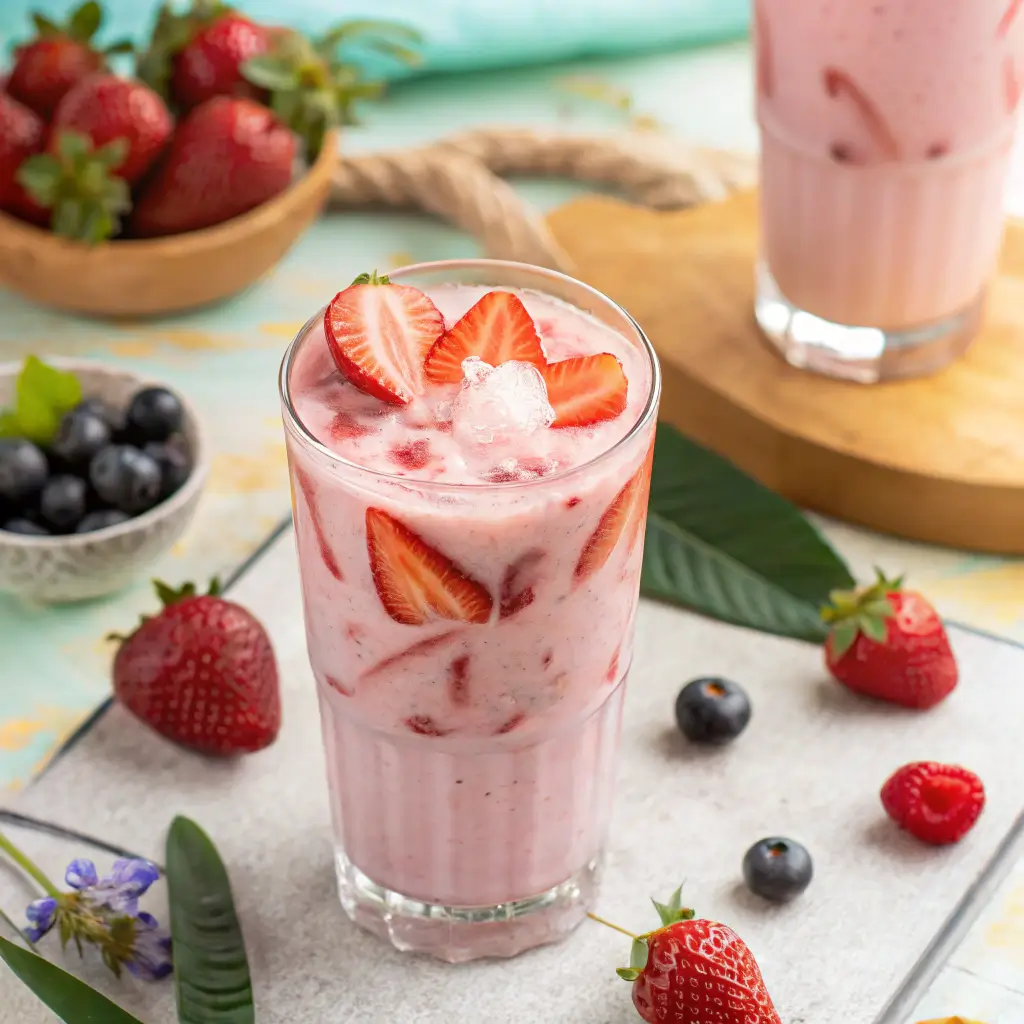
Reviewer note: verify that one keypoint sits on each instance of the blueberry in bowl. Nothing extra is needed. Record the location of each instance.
(100, 473)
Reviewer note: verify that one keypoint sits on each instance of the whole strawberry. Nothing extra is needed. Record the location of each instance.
(889, 643)
(22, 134)
(59, 56)
(227, 157)
(936, 803)
(198, 53)
(693, 971)
(105, 135)
(202, 673)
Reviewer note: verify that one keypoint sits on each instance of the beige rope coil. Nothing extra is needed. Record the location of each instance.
(458, 179)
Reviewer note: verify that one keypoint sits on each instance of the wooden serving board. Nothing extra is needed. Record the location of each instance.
(938, 459)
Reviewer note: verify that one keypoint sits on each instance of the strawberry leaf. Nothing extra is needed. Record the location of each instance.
(85, 20)
(873, 628)
(269, 72)
(44, 25)
(70, 998)
(842, 637)
(120, 46)
(724, 545)
(638, 953)
(628, 973)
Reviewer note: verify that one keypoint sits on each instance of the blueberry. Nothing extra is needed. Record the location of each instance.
(23, 469)
(81, 434)
(126, 478)
(154, 414)
(777, 869)
(63, 501)
(175, 464)
(712, 710)
(114, 418)
(26, 527)
(101, 519)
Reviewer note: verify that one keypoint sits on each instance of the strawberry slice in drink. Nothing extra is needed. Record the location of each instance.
(623, 516)
(585, 390)
(379, 334)
(496, 329)
(414, 581)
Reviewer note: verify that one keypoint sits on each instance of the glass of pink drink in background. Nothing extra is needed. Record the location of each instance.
(470, 575)
(886, 131)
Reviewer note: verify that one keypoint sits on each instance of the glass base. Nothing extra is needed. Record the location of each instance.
(866, 355)
(458, 934)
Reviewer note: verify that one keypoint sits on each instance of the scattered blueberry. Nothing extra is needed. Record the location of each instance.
(173, 459)
(777, 869)
(712, 710)
(63, 502)
(114, 418)
(81, 434)
(126, 478)
(154, 414)
(23, 469)
(26, 527)
(101, 519)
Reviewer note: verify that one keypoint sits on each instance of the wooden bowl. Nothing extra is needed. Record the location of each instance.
(148, 277)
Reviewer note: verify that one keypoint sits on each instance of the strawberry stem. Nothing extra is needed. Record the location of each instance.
(614, 927)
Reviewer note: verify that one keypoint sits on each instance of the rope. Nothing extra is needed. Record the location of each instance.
(460, 180)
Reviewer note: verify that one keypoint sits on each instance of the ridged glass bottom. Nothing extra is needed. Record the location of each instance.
(458, 934)
(862, 354)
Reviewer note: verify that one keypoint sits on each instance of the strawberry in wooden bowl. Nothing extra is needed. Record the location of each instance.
(180, 184)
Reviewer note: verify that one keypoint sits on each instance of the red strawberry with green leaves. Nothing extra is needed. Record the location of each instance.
(107, 132)
(195, 55)
(693, 971)
(227, 157)
(59, 57)
(379, 334)
(202, 673)
(22, 134)
(889, 643)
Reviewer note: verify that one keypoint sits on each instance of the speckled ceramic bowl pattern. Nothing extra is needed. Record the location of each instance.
(80, 566)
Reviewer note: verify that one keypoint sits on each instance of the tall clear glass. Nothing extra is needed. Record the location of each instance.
(471, 766)
(886, 130)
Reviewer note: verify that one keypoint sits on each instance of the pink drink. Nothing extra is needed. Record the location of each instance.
(471, 763)
(886, 128)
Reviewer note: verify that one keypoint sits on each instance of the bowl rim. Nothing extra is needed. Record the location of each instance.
(164, 509)
(204, 239)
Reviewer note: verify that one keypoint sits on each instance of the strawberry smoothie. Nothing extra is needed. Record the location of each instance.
(469, 445)
(886, 129)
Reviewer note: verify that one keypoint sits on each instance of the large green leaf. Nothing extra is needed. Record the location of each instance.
(69, 997)
(722, 544)
(211, 971)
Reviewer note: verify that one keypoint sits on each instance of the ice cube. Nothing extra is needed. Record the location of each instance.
(498, 405)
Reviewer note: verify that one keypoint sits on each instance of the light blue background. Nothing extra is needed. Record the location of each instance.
(466, 35)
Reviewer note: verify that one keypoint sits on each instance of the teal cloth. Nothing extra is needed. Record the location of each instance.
(465, 35)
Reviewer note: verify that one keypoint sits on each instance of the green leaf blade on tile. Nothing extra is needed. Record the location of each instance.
(720, 543)
(211, 970)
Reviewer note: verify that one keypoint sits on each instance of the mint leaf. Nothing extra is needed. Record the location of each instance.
(8, 425)
(57, 387)
(42, 395)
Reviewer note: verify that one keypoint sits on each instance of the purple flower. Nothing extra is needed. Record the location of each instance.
(150, 956)
(41, 915)
(119, 892)
(81, 874)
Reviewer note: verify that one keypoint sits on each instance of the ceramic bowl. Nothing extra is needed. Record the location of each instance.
(79, 566)
(149, 277)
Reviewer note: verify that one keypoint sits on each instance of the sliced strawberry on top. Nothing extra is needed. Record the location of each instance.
(414, 581)
(585, 389)
(623, 515)
(496, 329)
(379, 334)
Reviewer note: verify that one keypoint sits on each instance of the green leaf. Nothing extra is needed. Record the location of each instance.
(9, 424)
(113, 153)
(269, 72)
(60, 389)
(628, 973)
(638, 953)
(71, 999)
(44, 25)
(72, 146)
(211, 971)
(120, 46)
(40, 176)
(843, 635)
(722, 544)
(85, 21)
(360, 28)
(873, 628)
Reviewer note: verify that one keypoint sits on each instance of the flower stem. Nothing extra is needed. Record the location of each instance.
(17, 931)
(608, 924)
(26, 865)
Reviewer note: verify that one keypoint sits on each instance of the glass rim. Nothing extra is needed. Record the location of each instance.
(293, 422)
